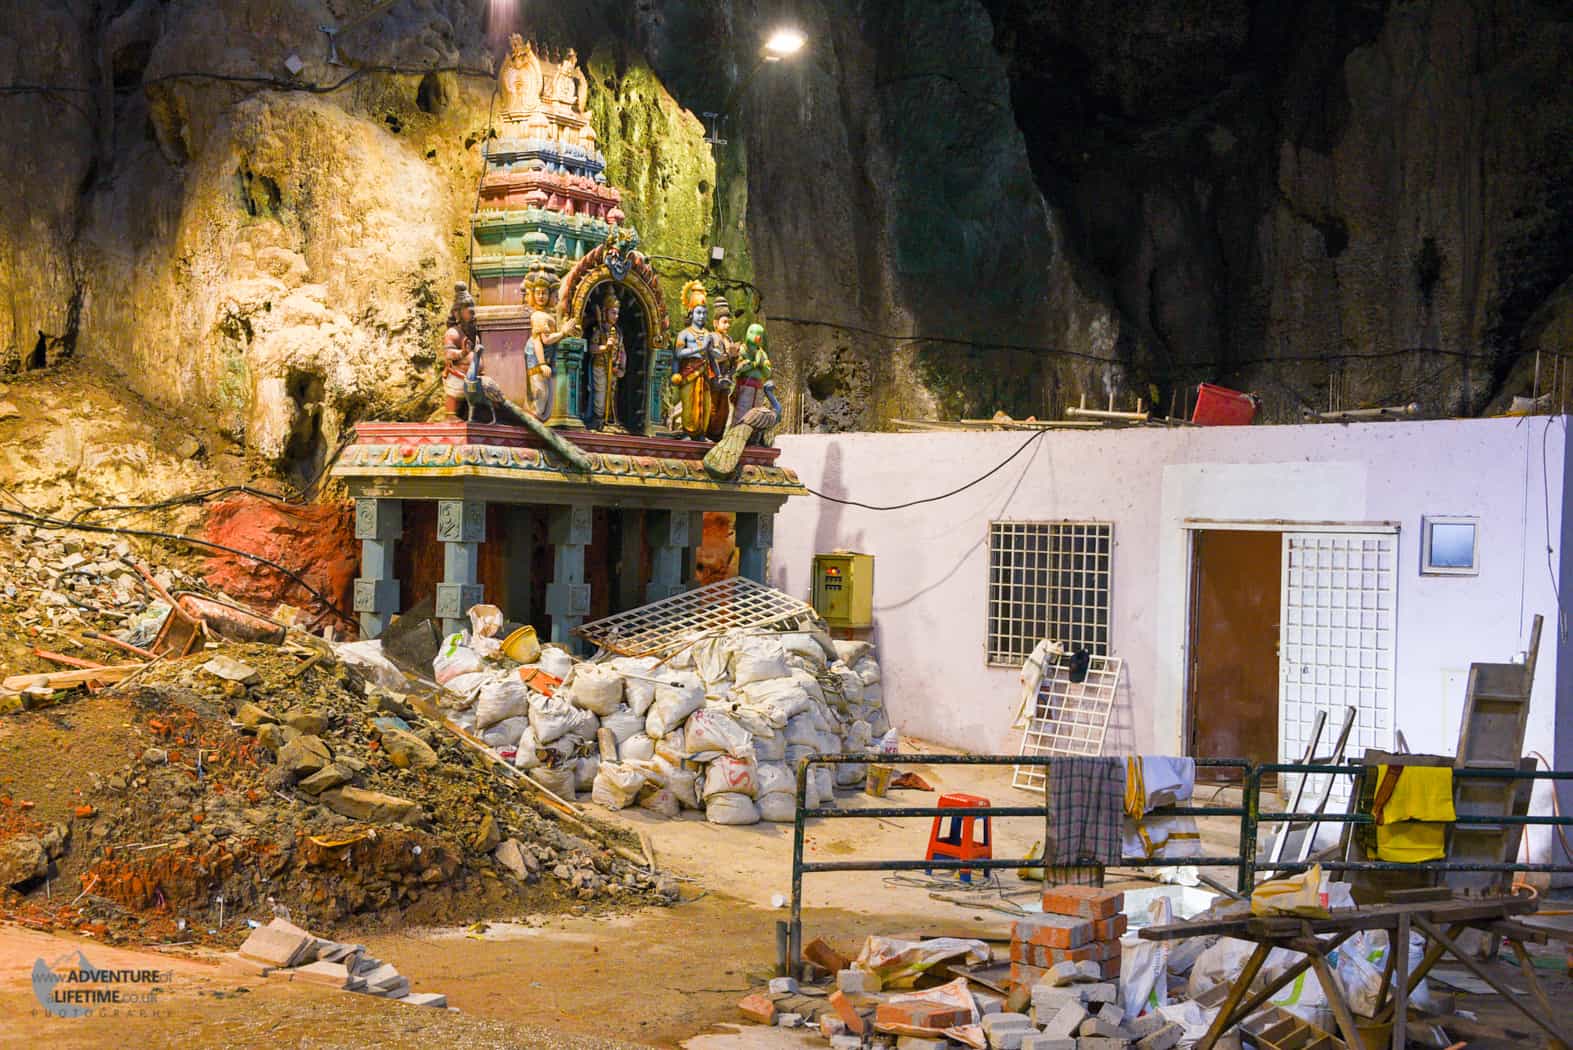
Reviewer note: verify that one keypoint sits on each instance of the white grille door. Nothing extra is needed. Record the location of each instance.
(1336, 642)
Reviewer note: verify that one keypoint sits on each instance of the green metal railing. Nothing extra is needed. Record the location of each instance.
(1248, 811)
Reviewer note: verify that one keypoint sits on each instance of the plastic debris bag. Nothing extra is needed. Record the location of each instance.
(824, 784)
(684, 786)
(1299, 894)
(850, 652)
(729, 807)
(623, 723)
(596, 688)
(504, 697)
(802, 644)
(616, 786)
(868, 670)
(728, 774)
(711, 732)
(585, 768)
(898, 963)
(638, 674)
(367, 658)
(559, 780)
(758, 659)
(638, 747)
(527, 753)
(455, 658)
(770, 747)
(773, 777)
(555, 661)
(778, 807)
(678, 696)
(460, 691)
(661, 801)
(552, 718)
(1144, 966)
(505, 733)
(710, 657)
(485, 621)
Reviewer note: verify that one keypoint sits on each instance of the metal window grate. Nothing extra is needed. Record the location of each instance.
(664, 627)
(1048, 580)
(1337, 640)
(1069, 718)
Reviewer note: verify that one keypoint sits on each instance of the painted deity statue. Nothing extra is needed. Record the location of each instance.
(546, 331)
(695, 360)
(726, 351)
(458, 344)
(751, 373)
(608, 364)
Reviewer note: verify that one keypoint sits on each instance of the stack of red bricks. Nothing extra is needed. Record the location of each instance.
(1080, 925)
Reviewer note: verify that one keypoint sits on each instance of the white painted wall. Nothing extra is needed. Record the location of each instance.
(931, 560)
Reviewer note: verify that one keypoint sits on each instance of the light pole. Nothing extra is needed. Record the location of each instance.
(783, 42)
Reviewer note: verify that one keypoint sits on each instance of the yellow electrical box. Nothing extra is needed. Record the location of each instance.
(844, 588)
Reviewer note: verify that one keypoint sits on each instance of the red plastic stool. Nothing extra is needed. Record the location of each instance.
(960, 841)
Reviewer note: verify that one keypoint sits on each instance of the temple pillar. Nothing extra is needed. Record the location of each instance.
(755, 535)
(674, 535)
(378, 523)
(461, 526)
(566, 368)
(568, 596)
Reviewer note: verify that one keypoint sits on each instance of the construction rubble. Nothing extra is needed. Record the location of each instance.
(719, 726)
(256, 776)
(285, 950)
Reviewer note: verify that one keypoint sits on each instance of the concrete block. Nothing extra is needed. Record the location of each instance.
(1113, 1013)
(783, 986)
(1064, 1021)
(857, 982)
(1166, 1037)
(279, 943)
(1098, 1042)
(789, 1020)
(1047, 997)
(831, 1026)
(846, 1042)
(436, 999)
(1145, 1025)
(1062, 974)
(332, 974)
(1006, 1031)
(1039, 1041)
(1103, 992)
(1097, 1026)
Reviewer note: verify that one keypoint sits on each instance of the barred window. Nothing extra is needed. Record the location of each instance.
(1048, 580)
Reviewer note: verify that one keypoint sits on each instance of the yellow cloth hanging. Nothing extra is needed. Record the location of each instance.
(1411, 826)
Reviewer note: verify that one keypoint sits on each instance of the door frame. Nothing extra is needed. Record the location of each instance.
(1191, 526)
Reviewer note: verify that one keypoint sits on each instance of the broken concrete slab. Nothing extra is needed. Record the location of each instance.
(232, 670)
(279, 944)
(783, 986)
(360, 804)
(312, 723)
(22, 859)
(1005, 1031)
(436, 999)
(250, 716)
(328, 777)
(332, 974)
(1145, 1025)
(1164, 1038)
(1064, 1021)
(511, 856)
(304, 756)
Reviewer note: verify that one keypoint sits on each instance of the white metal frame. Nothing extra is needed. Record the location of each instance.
(667, 626)
(1048, 579)
(1068, 718)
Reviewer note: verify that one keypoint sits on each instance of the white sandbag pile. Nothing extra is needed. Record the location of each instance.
(720, 726)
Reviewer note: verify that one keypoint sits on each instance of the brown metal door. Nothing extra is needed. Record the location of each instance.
(1236, 587)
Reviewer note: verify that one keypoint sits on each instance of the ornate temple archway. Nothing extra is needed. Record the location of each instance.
(644, 323)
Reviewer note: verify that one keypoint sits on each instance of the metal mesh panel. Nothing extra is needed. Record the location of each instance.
(664, 627)
(1337, 640)
(1069, 718)
(1048, 580)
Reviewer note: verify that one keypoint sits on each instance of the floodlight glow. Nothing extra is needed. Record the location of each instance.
(783, 43)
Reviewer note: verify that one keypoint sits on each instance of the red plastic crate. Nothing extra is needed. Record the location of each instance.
(1218, 406)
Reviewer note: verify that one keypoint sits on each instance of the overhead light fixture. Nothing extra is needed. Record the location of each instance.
(784, 43)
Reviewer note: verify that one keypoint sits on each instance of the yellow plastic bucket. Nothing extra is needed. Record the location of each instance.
(522, 645)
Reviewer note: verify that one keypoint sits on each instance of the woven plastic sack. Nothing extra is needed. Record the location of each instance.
(850, 652)
(778, 807)
(585, 768)
(710, 657)
(774, 777)
(868, 670)
(505, 733)
(684, 786)
(555, 662)
(454, 659)
(502, 698)
(638, 747)
(485, 621)
(616, 786)
(727, 774)
(770, 747)
(731, 808)
(824, 784)
(527, 749)
(552, 718)
(623, 723)
(802, 644)
(638, 686)
(596, 689)
(710, 732)
(660, 801)
(678, 696)
(758, 660)
(557, 779)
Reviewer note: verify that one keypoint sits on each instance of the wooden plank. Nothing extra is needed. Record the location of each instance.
(1490, 978)
(67, 679)
(1535, 987)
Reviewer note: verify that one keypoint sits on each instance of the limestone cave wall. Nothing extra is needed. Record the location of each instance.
(943, 208)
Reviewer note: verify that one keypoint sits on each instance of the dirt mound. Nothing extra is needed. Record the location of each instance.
(294, 784)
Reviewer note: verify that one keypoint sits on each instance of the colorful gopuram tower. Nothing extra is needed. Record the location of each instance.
(545, 208)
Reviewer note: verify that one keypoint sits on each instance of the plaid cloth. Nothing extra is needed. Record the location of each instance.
(1086, 804)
